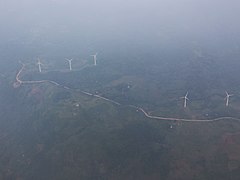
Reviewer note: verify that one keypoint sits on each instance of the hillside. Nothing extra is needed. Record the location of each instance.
(48, 132)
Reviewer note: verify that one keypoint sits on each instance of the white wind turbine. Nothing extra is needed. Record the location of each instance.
(70, 63)
(95, 59)
(227, 97)
(185, 100)
(39, 65)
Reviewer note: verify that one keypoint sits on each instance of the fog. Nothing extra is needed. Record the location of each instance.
(149, 105)
(115, 19)
(110, 25)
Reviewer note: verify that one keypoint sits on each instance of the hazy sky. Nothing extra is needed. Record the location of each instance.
(120, 20)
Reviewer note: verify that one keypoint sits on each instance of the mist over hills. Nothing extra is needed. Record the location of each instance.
(150, 53)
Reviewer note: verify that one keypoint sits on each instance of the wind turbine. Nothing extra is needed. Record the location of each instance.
(185, 100)
(70, 63)
(95, 59)
(39, 65)
(227, 98)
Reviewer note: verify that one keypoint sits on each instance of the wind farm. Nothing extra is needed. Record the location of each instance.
(169, 116)
(113, 90)
(114, 101)
(105, 98)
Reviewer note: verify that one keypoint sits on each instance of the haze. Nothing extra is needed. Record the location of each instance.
(149, 105)
(117, 20)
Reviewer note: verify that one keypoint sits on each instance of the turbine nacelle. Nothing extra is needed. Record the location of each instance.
(228, 95)
(69, 60)
(185, 97)
(39, 61)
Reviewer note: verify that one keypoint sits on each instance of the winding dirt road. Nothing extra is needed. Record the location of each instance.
(117, 103)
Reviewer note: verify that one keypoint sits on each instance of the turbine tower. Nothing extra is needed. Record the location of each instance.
(70, 63)
(227, 98)
(185, 100)
(95, 59)
(39, 65)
